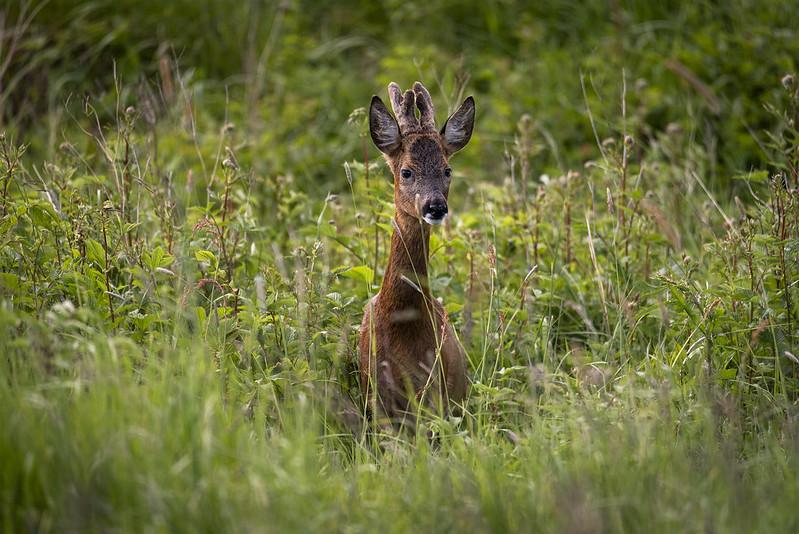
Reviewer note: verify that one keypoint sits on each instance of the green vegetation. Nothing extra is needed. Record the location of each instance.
(193, 217)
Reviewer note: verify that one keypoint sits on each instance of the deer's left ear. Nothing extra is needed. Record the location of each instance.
(457, 131)
(383, 127)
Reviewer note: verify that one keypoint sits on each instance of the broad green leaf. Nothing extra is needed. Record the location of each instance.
(361, 272)
(206, 256)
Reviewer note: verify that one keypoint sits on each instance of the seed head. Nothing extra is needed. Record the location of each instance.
(230, 161)
(788, 81)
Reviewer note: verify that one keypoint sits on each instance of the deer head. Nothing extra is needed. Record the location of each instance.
(416, 151)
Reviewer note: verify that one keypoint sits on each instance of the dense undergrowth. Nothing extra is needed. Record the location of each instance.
(186, 251)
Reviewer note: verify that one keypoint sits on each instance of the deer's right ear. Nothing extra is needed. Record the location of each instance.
(383, 127)
(458, 129)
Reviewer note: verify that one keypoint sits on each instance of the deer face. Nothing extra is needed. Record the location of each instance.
(417, 152)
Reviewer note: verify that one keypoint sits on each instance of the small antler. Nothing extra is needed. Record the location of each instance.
(404, 105)
(403, 108)
(427, 120)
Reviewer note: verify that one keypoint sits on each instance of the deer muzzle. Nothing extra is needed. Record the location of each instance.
(435, 211)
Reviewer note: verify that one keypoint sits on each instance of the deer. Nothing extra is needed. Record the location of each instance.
(409, 354)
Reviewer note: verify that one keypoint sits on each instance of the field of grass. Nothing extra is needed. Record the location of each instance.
(193, 217)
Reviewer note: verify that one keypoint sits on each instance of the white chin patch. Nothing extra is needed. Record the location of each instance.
(429, 220)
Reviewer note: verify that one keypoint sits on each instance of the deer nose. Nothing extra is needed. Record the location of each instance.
(435, 211)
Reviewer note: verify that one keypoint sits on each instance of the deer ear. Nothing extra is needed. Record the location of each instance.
(383, 127)
(457, 131)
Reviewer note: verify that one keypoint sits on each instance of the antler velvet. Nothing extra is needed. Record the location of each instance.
(404, 105)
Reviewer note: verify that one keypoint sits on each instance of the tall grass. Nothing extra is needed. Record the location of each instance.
(162, 441)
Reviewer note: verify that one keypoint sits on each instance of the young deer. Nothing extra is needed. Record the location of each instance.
(408, 350)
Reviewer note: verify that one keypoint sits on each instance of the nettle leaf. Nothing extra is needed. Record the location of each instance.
(195, 214)
(328, 230)
(9, 281)
(285, 302)
(202, 317)
(386, 227)
(453, 307)
(436, 243)
(728, 374)
(7, 224)
(206, 256)
(458, 243)
(95, 252)
(42, 215)
(157, 258)
(129, 227)
(361, 272)
(96, 277)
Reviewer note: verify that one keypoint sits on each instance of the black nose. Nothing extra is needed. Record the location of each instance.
(436, 210)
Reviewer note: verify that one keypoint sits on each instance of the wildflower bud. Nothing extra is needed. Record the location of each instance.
(230, 161)
(130, 110)
(524, 123)
(628, 141)
(788, 81)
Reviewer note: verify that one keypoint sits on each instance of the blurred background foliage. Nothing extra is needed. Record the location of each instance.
(291, 72)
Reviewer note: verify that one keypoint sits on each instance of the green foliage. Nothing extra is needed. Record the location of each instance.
(185, 255)
(293, 70)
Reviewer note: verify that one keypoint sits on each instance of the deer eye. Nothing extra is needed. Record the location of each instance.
(406, 173)
(448, 172)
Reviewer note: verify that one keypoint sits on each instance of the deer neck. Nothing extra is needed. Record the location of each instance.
(405, 284)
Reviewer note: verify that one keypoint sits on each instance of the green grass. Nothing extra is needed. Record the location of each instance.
(185, 255)
(165, 451)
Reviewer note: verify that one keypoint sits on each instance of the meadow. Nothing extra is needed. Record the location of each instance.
(193, 218)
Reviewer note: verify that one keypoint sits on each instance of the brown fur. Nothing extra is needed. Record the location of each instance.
(409, 352)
